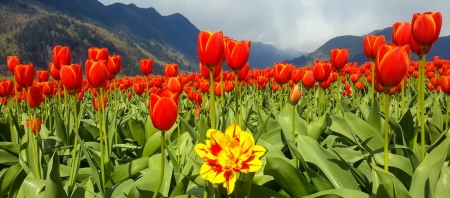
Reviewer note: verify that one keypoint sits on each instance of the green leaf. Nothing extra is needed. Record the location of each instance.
(364, 131)
(180, 188)
(340, 126)
(427, 174)
(285, 121)
(7, 179)
(442, 186)
(137, 131)
(152, 145)
(437, 118)
(391, 184)
(7, 158)
(53, 184)
(332, 167)
(126, 171)
(317, 127)
(195, 135)
(339, 192)
(31, 186)
(59, 125)
(92, 164)
(289, 179)
(375, 118)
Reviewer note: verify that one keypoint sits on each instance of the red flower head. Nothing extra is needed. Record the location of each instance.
(338, 58)
(35, 125)
(171, 70)
(97, 54)
(42, 75)
(71, 78)
(401, 33)
(237, 53)
(114, 65)
(163, 109)
(24, 75)
(146, 66)
(426, 28)
(96, 73)
(321, 70)
(210, 48)
(61, 56)
(242, 75)
(282, 72)
(35, 96)
(391, 65)
(371, 45)
(11, 62)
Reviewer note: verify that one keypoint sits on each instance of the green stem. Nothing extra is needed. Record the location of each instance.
(307, 106)
(75, 145)
(222, 97)
(236, 91)
(446, 112)
(102, 163)
(403, 98)
(280, 96)
(161, 174)
(319, 100)
(66, 114)
(386, 130)
(373, 82)
(422, 106)
(179, 134)
(103, 116)
(338, 92)
(31, 138)
(212, 103)
(294, 138)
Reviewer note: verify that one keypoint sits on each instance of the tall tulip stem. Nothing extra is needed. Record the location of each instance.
(422, 104)
(308, 108)
(446, 112)
(294, 138)
(338, 92)
(403, 98)
(102, 162)
(161, 174)
(31, 138)
(212, 103)
(319, 102)
(373, 82)
(75, 146)
(280, 96)
(386, 130)
(222, 98)
(236, 91)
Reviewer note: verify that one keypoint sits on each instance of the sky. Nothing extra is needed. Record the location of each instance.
(303, 25)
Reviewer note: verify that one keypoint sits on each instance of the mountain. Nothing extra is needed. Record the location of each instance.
(31, 28)
(356, 51)
(264, 55)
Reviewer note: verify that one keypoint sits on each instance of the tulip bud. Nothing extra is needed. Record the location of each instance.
(295, 94)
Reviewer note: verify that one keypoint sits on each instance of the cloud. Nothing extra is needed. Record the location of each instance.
(300, 24)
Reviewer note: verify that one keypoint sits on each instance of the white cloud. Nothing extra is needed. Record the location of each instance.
(300, 24)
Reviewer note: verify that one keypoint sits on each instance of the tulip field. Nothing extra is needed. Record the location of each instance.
(331, 129)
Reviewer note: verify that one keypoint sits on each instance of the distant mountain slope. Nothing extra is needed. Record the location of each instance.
(356, 54)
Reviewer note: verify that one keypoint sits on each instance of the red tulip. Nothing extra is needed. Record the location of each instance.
(218, 89)
(98, 104)
(210, 48)
(6, 88)
(171, 70)
(174, 85)
(80, 95)
(114, 65)
(391, 65)
(61, 56)
(445, 84)
(96, 73)
(282, 72)
(163, 109)
(242, 75)
(326, 84)
(139, 88)
(35, 96)
(11, 62)
(35, 125)
(236, 54)
(47, 88)
(372, 44)
(321, 70)
(426, 28)
(198, 99)
(216, 72)
(338, 58)
(97, 54)
(401, 33)
(296, 75)
(71, 78)
(308, 80)
(55, 72)
(42, 75)
(146, 66)
(24, 75)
